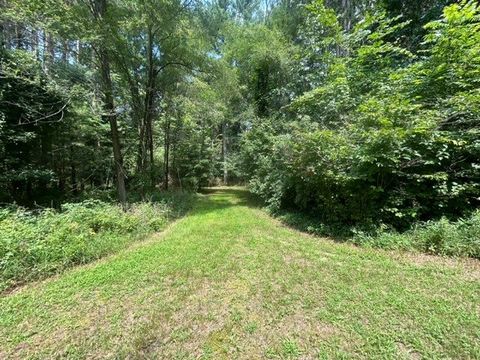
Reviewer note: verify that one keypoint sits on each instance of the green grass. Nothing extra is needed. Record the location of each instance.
(228, 281)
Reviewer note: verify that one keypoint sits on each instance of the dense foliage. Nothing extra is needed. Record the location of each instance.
(387, 135)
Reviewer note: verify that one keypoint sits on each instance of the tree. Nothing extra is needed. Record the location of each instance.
(100, 12)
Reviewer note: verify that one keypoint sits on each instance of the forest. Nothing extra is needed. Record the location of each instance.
(173, 138)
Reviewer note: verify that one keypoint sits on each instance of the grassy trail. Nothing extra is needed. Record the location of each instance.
(229, 282)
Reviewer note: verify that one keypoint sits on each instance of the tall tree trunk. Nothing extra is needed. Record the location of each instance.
(138, 108)
(109, 106)
(149, 110)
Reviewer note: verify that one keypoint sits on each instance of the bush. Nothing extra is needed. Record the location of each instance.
(460, 238)
(34, 245)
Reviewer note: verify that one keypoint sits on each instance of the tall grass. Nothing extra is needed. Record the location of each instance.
(36, 244)
(441, 237)
(459, 238)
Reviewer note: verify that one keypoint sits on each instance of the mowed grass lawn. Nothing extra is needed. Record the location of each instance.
(229, 282)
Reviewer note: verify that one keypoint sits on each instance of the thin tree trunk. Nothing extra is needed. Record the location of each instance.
(19, 36)
(3, 27)
(151, 149)
(73, 173)
(78, 48)
(141, 145)
(65, 52)
(35, 44)
(166, 151)
(48, 52)
(224, 153)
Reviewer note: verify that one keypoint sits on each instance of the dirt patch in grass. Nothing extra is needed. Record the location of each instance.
(470, 267)
(297, 260)
(406, 353)
(305, 326)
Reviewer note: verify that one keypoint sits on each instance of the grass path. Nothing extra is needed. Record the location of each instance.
(229, 282)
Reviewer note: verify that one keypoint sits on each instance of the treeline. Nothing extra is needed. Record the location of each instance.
(102, 94)
(358, 113)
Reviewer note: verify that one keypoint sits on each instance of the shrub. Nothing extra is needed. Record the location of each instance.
(460, 238)
(386, 137)
(442, 237)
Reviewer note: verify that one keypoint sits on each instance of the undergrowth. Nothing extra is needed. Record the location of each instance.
(37, 243)
(460, 238)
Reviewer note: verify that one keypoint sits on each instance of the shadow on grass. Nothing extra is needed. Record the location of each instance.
(218, 198)
(309, 224)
